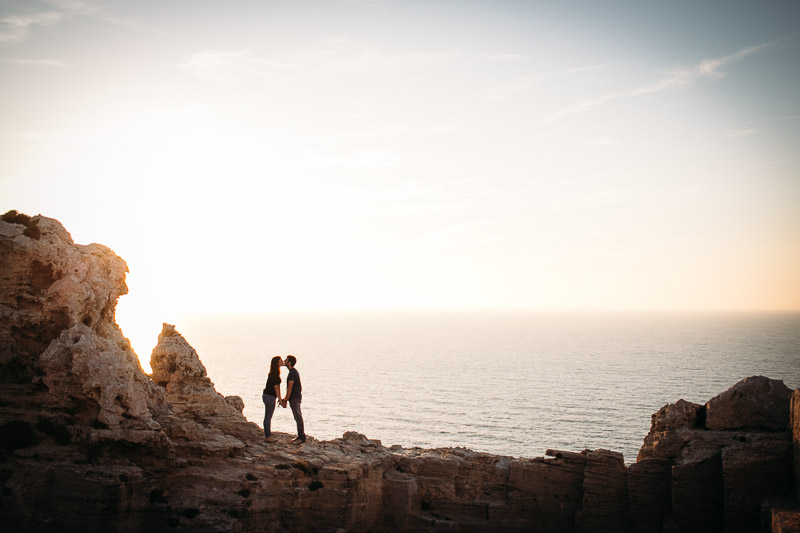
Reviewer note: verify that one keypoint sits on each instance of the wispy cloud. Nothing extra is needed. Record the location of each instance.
(527, 83)
(757, 126)
(441, 128)
(374, 4)
(354, 159)
(225, 65)
(34, 62)
(21, 136)
(708, 68)
(740, 132)
(99, 11)
(354, 55)
(677, 79)
(20, 26)
(605, 141)
(471, 233)
(332, 56)
(501, 57)
(15, 28)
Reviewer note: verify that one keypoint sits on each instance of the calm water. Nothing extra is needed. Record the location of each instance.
(511, 384)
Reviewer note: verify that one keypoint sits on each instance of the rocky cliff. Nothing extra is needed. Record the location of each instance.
(89, 442)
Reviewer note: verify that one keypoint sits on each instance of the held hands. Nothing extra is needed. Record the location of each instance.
(283, 403)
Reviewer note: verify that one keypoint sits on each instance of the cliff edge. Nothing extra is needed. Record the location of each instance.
(89, 442)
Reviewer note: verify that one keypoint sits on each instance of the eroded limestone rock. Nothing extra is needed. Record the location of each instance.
(723, 469)
(755, 403)
(88, 442)
(177, 367)
(604, 506)
(649, 494)
(796, 437)
(671, 428)
(50, 284)
(65, 367)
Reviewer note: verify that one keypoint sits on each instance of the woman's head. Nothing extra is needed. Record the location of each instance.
(275, 365)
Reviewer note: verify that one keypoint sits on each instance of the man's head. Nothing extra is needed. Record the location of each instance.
(291, 361)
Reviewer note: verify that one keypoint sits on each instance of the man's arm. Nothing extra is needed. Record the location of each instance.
(289, 386)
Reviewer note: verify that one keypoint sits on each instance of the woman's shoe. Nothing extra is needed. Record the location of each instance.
(268, 439)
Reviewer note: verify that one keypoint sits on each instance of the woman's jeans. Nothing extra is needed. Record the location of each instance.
(269, 403)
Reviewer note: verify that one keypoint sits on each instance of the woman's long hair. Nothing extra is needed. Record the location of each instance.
(275, 366)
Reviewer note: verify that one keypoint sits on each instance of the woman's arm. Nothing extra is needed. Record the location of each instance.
(289, 385)
(278, 391)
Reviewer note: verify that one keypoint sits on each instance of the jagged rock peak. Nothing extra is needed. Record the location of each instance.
(168, 330)
(175, 362)
(177, 367)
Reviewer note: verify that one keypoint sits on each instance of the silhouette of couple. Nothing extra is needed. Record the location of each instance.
(294, 395)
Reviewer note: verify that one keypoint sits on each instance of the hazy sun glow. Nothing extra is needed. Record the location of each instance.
(379, 154)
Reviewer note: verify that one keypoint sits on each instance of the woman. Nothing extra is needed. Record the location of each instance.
(272, 394)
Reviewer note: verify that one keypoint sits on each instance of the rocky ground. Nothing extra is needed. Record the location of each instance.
(89, 442)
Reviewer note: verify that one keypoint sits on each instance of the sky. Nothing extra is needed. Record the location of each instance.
(284, 156)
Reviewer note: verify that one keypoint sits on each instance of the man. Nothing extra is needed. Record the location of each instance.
(294, 393)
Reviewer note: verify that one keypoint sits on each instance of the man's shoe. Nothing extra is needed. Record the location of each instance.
(268, 439)
(298, 440)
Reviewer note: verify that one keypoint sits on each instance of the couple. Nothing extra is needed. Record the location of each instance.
(294, 394)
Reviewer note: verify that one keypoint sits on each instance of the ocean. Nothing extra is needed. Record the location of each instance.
(506, 383)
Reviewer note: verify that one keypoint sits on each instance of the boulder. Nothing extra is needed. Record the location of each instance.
(670, 429)
(755, 403)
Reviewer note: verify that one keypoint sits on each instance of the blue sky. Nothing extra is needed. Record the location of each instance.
(248, 156)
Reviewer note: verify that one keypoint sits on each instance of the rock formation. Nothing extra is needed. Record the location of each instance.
(720, 468)
(217, 423)
(785, 513)
(89, 442)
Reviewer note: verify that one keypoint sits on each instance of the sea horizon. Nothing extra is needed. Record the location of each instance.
(511, 383)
